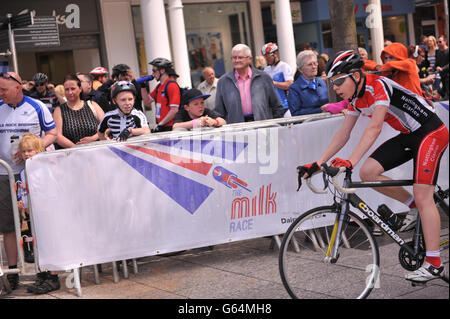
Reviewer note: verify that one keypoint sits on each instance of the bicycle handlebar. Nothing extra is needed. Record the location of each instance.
(313, 188)
(334, 173)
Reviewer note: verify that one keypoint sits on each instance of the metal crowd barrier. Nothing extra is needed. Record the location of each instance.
(77, 272)
(74, 280)
(21, 264)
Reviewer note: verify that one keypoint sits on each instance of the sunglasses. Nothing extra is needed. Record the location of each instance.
(39, 84)
(9, 76)
(339, 81)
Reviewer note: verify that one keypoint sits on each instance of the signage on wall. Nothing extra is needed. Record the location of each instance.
(73, 17)
(43, 33)
(296, 13)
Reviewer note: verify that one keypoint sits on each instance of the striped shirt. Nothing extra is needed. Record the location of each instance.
(116, 121)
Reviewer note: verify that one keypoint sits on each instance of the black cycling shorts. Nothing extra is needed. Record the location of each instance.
(425, 146)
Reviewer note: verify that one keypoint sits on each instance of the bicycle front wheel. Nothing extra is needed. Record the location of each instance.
(306, 271)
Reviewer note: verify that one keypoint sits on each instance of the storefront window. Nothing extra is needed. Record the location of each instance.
(212, 29)
(139, 33)
(395, 29)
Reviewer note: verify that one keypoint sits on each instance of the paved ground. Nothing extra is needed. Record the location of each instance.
(240, 270)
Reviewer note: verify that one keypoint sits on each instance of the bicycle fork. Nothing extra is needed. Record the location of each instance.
(332, 254)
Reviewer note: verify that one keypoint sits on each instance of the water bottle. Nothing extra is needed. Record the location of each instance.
(389, 217)
(145, 79)
(14, 145)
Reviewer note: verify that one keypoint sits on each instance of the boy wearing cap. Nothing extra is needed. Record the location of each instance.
(124, 121)
(194, 114)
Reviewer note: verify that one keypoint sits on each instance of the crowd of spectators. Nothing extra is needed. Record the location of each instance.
(97, 105)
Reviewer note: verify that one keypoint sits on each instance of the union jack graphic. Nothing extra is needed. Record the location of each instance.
(187, 192)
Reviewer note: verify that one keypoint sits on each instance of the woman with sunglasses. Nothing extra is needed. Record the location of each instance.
(423, 137)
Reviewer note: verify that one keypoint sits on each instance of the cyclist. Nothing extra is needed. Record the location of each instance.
(423, 137)
(279, 71)
(100, 75)
(167, 97)
(44, 91)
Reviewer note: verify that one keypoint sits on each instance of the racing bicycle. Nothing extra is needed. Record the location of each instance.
(330, 251)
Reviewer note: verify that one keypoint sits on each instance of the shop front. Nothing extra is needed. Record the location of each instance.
(79, 48)
(315, 26)
(212, 29)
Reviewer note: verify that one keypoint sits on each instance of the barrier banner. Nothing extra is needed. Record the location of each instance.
(115, 201)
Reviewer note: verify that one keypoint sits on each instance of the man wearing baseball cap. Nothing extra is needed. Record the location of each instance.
(194, 114)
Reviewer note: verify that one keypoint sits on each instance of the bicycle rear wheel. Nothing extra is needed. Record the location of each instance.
(304, 271)
(444, 245)
(442, 201)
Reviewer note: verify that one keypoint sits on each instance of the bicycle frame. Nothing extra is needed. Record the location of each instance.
(357, 202)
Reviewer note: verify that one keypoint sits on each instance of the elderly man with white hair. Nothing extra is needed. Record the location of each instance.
(309, 92)
(245, 93)
(369, 65)
(209, 86)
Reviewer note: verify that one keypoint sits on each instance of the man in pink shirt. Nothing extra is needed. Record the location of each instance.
(246, 93)
(244, 80)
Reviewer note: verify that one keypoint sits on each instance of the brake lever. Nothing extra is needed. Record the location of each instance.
(301, 171)
(325, 180)
(330, 170)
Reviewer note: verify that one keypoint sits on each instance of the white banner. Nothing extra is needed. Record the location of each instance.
(115, 201)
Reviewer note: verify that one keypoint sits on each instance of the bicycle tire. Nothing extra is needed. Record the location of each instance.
(442, 203)
(305, 274)
(444, 251)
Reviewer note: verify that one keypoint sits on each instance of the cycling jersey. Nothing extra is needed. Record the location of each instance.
(29, 116)
(117, 122)
(49, 99)
(162, 101)
(423, 137)
(280, 72)
(407, 111)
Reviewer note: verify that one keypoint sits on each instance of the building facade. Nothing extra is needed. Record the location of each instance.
(199, 33)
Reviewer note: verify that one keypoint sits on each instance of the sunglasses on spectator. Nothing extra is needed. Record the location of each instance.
(339, 81)
(9, 76)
